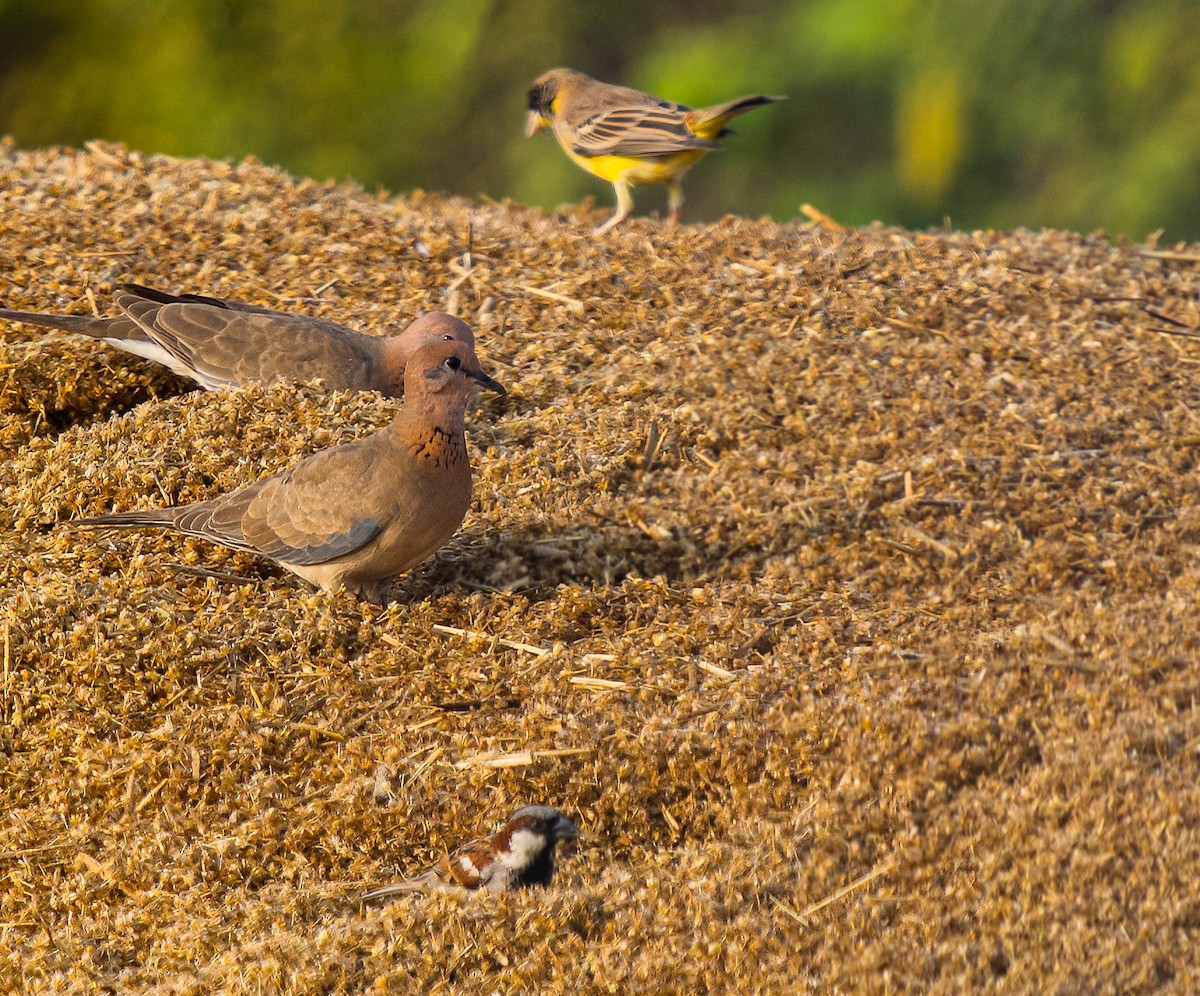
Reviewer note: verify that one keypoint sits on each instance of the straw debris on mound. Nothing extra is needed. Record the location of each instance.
(841, 585)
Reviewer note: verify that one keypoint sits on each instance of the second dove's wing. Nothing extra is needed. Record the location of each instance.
(229, 347)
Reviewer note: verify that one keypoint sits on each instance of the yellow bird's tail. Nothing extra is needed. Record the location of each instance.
(709, 122)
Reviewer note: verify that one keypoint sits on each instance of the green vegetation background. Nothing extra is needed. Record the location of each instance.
(1081, 114)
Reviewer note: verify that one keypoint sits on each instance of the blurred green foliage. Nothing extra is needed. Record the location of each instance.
(1080, 114)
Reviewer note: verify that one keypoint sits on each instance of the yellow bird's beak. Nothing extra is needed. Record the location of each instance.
(534, 123)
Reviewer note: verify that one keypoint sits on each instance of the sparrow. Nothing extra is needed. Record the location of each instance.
(519, 854)
(357, 515)
(222, 344)
(628, 137)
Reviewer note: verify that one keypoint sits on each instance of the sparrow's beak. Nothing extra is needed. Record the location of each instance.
(564, 829)
(487, 382)
(534, 123)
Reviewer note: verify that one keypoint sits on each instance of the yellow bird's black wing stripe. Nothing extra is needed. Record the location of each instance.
(636, 132)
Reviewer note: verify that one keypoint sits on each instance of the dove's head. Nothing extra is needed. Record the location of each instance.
(448, 370)
(435, 326)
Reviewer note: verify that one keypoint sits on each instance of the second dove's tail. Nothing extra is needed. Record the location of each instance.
(116, 330)
(149, 518)
(87, 325)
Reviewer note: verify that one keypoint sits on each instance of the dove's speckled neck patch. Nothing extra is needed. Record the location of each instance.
(439, 447)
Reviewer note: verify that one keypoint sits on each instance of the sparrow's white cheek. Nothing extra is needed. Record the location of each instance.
(523, 848)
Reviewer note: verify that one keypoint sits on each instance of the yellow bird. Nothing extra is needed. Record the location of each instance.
(628, 137)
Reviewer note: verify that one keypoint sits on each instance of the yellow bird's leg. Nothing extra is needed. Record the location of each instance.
(624, 206)
(674, 201)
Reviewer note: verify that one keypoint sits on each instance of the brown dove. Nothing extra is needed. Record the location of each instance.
(221, 344)
(357, 515)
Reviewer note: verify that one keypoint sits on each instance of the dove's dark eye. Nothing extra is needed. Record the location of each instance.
(453, 362)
